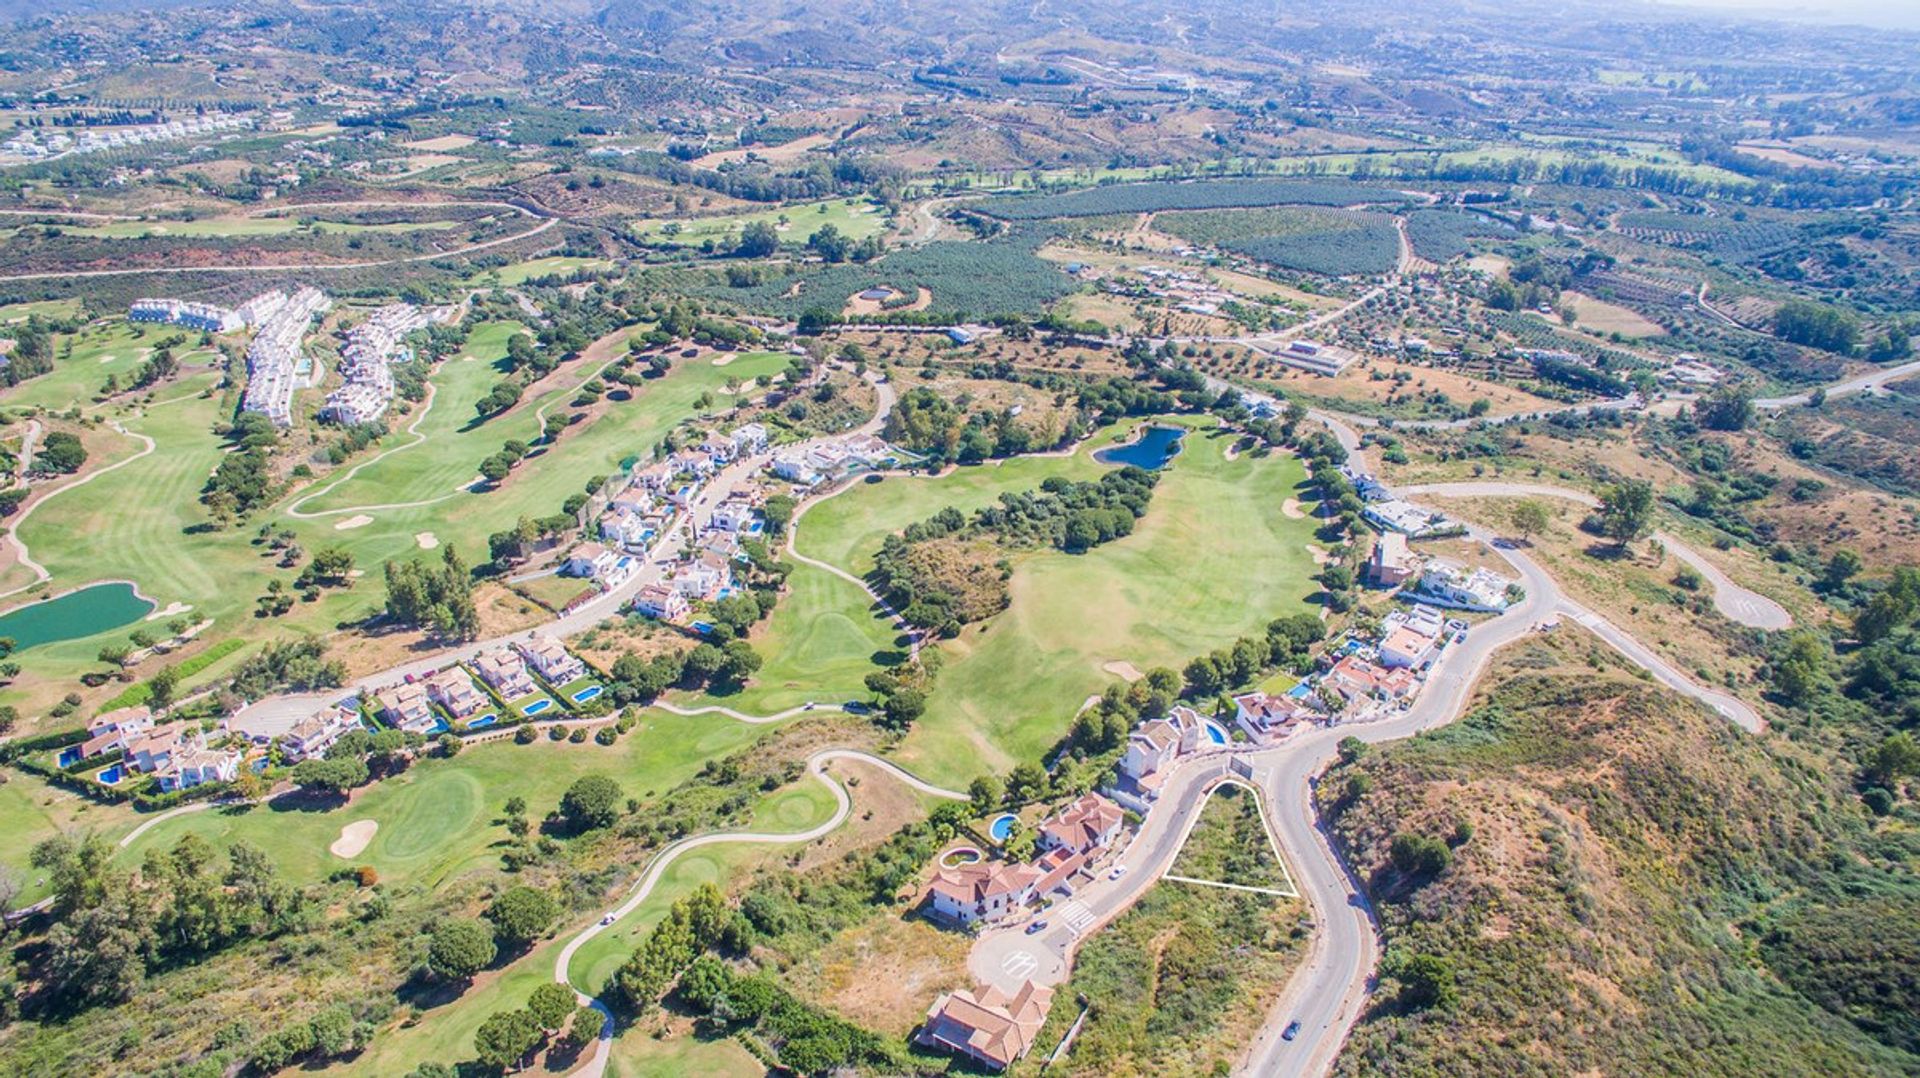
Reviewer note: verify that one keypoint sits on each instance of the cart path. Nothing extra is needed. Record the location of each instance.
(596, 1065)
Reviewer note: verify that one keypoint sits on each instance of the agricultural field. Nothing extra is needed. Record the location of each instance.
(1444, 235)
(854, 218)
(1720, 235)
(1205, 195)
(1336, 243)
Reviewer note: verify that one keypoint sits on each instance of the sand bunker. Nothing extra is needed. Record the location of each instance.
(172, 609)
(354, 838)
(1319, 554)
(1123, 670)
(359, 520)
(1292, 510)
(723, 359)
(427, 540)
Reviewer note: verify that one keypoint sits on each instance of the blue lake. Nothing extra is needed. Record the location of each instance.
(74, 615)
(1152, 450)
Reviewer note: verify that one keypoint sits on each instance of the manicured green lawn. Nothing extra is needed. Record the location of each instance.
(446, 1033)
(108, 347)
(1214, 559)
(635, 1056)
(32, 811)
(438, 820)
(855, 218)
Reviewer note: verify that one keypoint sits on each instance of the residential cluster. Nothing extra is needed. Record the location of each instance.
(366, 360)
(529, 677)
(205, 317)
(824, 462)
(273, 359)
(176, 755)
(36, 144)
(990, 1026)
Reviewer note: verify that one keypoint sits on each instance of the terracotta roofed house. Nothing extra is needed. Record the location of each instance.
(988, 1025)
(980, 890)
(406, 706)
(315, 734)
(553, 661)
(454, 690)
(503, 669)
(1090, 823)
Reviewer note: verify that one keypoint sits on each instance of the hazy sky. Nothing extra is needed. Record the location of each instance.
(1900, 13)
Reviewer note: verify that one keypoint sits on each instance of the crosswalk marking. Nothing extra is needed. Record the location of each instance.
(1077, 917)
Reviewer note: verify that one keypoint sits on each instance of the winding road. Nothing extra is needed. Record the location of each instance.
(596, 1064)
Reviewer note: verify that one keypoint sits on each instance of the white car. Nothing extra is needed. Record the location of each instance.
(1118, 871)
(607, 920)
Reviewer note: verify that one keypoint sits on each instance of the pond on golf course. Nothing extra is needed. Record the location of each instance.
(76, 614)
(1152, 450)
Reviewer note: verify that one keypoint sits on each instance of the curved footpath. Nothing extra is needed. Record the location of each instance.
(596, 1065)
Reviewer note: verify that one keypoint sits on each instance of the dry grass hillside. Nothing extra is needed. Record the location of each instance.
(1600, 878)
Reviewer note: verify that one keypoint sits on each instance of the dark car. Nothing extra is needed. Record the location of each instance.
(1036, 927)
(1292, 1031)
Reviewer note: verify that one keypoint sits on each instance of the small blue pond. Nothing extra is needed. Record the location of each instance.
(1152, 450)
(587, 693)
(68, 757)
(111, 776)
(1216, 734)
(74, 615)
(534, 708)
(485, 721)
(1002, 827)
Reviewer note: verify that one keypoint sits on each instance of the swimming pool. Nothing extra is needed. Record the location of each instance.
(68, 757)
(1002, 827)
(1300, 691)
(485, 721)
(534, 708)
(1216, 733)
(587, 693)
(438, 727)
(111, 776)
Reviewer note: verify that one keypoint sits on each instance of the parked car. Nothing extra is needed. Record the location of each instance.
(1118, 871)
(1036, 927)
(1292, 1031)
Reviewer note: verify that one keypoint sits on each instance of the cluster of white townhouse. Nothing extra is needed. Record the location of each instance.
(273, 359)
(178, 757)
(410, 705)
(366, 361)
(830, 460)
(990, 890)
(37, 144)
(205, 317)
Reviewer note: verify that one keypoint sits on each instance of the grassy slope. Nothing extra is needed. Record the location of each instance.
(854, 221)
(1601, 916)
